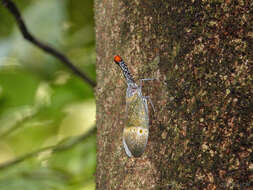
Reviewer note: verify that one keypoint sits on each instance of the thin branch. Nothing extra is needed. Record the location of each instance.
(17, 125)
(54, 148)
(26, 34)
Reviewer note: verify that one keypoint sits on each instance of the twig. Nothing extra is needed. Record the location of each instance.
(17, 125)
(26, 34)
(54, 148)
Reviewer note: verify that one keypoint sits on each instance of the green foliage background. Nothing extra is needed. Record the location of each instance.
(42, 102)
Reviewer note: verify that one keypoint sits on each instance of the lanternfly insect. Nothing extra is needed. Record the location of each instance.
(136, 130)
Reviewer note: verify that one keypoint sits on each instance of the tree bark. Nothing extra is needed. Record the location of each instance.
(201, 131)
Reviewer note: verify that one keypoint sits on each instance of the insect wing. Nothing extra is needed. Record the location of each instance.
(135, 134)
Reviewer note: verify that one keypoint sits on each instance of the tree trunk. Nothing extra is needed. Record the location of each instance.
(200, 133)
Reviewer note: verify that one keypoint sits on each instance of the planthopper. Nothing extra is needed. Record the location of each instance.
(136, 129)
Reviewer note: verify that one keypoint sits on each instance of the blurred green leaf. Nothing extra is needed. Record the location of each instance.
(34, 178)
(18, 87)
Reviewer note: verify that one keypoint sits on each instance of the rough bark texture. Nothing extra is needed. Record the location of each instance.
(201, 132)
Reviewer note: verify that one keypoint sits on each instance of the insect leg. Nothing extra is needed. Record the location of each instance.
(148, 98)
